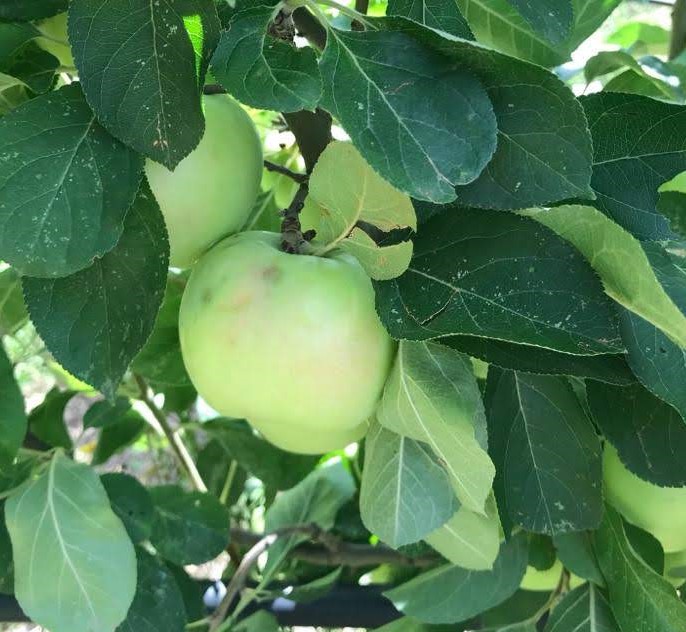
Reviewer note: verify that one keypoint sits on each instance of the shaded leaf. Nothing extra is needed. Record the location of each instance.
(405, 493)
(131, 502)
(25, 10)
(117, 435)
(576, 553)
(6, 560)
(52, 151)
(46, 421)
(443, 16)
(551, 18)
(13, 312)
(142, 65)
(62, 527)
(12, 414)
(95, 321)
(585, 609)
(546, 452)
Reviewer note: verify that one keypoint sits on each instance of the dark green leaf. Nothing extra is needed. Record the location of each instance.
(263, 71)
(522, 605)
(52, 155)
(217, 468)
(158, 604)
(75, 567)
(658, 362)
(192, 593)
(95, 321)
(131, 502)
(118, 435)
(575, 551)
(13, 420)
(25, 10)
(313, 590)
(406, 493)
(541, 552)
(637, 593)
(610, 368)
(553, 19)
(637, 145)
(672, 203)
(497, 275)
(585, 609)
(105, 413)
(444, 16)
(608, 61)
(375, 84)
(142, 65)
(646, 546)
(6, 560)
(275, 467)
(189, 527)
(47, 420)
(13, 312)
(546, 452)
(649, 434)
(449, 593)
(261, 621)
(36, 68)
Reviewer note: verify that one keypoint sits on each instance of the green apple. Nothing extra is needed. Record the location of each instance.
(292, 343)
(55, 39)
(675, 568)
(211, 192)
(659, 510)
(547, 579)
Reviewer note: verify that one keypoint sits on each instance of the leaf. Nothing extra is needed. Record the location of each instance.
(442, 16)
(499, 25)
(468, 539)
(35, 68)
(432, 396)
(610, 368)
(138, 68)
(637, 146)
(497, 275)
(62, 527)
(260, 621)
(405, 492)
(131, 502)
(52, 151)
(274, 467)
(608, 61)
(116, 436)
(316, 499)
(6, 561)
(584, 609)
(13, 38)
(658, 362)
(576, 553)
(636, 592)
(12, 414)
(191, 592)
(104, 413)
(95, 321)
(315, 589)
(13, 314)
(449, 593)
(546, 453)
(158, 603)
(25, 10)
(46, 421)
(263, 71)
(404, 624)
(375, 84)
(381, 263)
(621, 263)
(649, 434)
(553, 19)
(189, 527)
(672, 202)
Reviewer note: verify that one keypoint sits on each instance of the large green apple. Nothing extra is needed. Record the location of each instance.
(292, 343)
(55, 39)
(658, 510)
(548, 579)
(211, 192)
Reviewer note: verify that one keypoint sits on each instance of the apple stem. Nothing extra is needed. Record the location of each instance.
(292, 238)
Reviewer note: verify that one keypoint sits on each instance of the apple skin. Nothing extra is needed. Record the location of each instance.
(55, 28)
(292, 343)
(548, 579)
(659, 510)
(675, 561)
(211, 192)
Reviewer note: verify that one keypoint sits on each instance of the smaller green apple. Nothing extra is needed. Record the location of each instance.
(675, 568)
(55, 39)
(547, 579)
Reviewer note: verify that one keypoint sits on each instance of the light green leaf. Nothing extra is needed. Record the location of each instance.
(346, 190)
(62, 527)
(381, 263)
(585, 609)
(316, 499)
(406, 493)
(468, 539)
(313, 590)
(637, 593)
(405, 624)
(621, 263)
(449, 593)
(432, 396)
(13, 421)
(13, 312)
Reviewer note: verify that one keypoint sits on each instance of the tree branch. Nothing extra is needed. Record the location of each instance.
(285, 171)
(177, 444)
(335, 552)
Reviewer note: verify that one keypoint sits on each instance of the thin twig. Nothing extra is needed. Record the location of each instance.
(335, 552)
(177, 444)
(285, 171)
(292, 238)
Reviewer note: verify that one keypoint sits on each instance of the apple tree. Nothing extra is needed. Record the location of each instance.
(298, 295)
